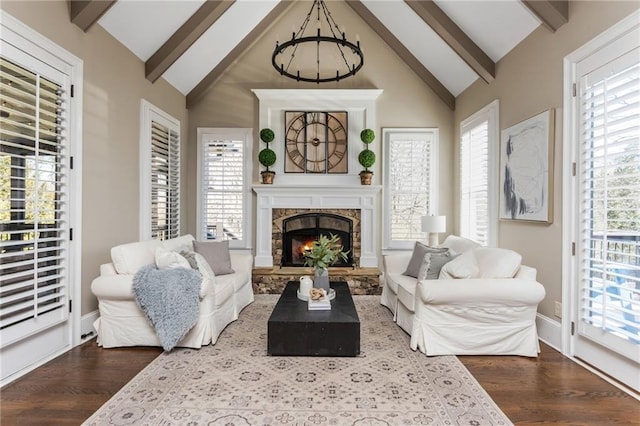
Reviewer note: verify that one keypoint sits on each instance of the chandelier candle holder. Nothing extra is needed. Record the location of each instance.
(302, 57)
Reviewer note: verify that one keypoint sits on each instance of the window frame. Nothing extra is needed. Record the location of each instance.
(489, 113)
(387, 133)
(246, 136)
(148, 114)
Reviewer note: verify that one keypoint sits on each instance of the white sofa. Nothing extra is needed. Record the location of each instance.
(123, 323)
(476, 315)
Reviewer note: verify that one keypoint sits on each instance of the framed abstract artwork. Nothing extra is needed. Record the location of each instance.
(526, 169)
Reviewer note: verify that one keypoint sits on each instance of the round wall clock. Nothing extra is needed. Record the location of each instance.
(316, 142)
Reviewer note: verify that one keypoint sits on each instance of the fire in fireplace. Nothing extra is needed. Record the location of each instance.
(299, 232)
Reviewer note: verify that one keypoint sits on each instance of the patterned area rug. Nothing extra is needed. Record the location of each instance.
(236, 383)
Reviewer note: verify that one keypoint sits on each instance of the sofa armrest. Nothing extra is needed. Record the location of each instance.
(481, 291)
(396, 263)
(120, 287)
(113, 287)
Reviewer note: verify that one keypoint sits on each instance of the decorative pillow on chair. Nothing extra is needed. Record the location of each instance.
(217, 255)
(417, 257)
(463, 266)
(167, 259)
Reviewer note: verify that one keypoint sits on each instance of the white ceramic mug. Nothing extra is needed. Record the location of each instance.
(306, 283)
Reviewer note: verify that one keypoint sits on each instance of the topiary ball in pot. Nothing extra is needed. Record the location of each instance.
(267, 135)
(367, 158)
(367, 136)
(267, 157)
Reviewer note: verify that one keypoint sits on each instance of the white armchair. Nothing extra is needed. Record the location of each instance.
(491, 311)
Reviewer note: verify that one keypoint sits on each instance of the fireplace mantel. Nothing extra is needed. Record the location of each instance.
(362, 197)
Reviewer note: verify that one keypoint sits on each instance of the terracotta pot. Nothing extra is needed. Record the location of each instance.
(267, 176)
(366, 178)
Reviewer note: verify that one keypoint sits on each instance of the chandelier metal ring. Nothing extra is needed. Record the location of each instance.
(316, 39)
(342, 44)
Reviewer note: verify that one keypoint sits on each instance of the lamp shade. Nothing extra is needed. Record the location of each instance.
(434, 223)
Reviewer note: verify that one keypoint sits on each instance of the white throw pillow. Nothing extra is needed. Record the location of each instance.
(166, 259)
(424, 267)
(497, 262)
(204, 267)
(459, 244)
(463, 266)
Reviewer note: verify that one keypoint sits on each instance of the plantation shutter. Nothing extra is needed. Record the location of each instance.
(474, 183)
(610, 203)
(222, 190)
(34, 218)
(411, 179)
(165, 182)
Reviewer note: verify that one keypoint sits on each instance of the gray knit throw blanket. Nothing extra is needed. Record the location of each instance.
(170, 300)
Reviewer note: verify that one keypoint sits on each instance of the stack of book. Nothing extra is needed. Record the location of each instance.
(319, 305)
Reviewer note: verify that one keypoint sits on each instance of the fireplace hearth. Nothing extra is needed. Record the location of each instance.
(299, 232)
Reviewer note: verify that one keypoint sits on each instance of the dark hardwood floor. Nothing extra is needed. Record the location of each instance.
(550, 390)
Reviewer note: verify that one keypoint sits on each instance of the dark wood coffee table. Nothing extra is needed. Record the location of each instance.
(294, 330)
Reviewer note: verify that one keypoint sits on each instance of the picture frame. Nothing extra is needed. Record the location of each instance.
(526, 169)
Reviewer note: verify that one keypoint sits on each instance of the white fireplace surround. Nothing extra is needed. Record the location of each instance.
(318, 191)
(364, 198)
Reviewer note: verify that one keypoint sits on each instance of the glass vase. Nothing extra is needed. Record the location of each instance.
(321, 279)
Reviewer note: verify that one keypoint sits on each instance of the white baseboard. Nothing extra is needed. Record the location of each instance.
(86, 326)
(549, 331)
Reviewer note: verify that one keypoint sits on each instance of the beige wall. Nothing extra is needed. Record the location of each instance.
(529, 80)
(405, 102)
(114, 84)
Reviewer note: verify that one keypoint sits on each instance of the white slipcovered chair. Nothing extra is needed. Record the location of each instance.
(484, 302)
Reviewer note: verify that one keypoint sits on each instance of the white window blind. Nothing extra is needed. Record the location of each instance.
(410, 169)
(610, 198)
(478, 137)
(34, 185)
(222, 177)
(165, 182)
(474, 189)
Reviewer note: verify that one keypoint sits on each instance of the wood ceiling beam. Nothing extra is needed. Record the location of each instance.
(199, 90)
(404, 53)
(453, 35)
(552, 13)
(85, 13)
(184, 37)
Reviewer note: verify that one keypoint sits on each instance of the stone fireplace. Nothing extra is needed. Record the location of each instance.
(281, 208)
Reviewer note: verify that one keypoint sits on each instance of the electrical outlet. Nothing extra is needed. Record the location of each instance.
(558, 310)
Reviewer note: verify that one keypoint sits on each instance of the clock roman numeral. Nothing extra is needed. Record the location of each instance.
(295, 155)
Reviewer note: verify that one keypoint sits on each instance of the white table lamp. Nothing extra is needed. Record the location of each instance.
(433, 225)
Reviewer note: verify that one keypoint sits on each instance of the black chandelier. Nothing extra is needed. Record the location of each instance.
(333, 47)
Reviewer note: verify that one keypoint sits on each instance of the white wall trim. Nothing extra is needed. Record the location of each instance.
(549, 331)
(87, 326)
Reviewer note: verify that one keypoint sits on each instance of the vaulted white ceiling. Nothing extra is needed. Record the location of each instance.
(493, 28)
